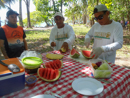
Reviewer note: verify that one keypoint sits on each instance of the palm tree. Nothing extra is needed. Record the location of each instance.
(20, 13)
(27, 2)
(1, 4)
(7, 2)
(54, 5)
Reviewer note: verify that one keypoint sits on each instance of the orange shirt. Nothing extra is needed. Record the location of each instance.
(13, 35)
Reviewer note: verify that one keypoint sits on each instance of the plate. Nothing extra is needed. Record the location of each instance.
(43, 96)
(87, 86)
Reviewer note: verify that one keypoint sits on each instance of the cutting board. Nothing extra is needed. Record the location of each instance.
(5, 70)
(80, 59)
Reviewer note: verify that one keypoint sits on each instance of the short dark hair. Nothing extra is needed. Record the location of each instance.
(11, 12)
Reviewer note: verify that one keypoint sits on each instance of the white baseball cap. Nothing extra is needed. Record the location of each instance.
(100, 8)
(58, 14)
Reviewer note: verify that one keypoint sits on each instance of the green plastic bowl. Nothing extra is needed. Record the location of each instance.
(32, 62)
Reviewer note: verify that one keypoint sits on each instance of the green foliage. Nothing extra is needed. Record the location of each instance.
(25, 22)
(36, 18)
(44, 9)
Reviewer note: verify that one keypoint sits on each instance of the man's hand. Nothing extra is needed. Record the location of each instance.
(97, 52)
(53, 44)
(65, 46)
(87, 42)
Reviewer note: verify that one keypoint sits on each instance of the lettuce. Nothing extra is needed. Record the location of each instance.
(104, 66)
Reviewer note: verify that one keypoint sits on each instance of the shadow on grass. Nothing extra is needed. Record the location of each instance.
(126, 40)
(40, 45)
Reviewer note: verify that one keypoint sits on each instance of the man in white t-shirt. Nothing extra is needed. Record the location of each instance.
(62, 35)
(108, 35)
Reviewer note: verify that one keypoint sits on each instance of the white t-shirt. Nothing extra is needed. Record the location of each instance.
(59, 36)
(109, 37)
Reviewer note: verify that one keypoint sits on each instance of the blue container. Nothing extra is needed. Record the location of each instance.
(10, 82)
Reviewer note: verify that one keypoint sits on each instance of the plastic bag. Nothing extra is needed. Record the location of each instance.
(27, 53)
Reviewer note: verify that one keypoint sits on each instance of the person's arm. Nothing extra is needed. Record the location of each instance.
(90, 33)
(88, 37)
(52, 38)
(2, 48)
(25, 44)
(24, 40)
(118, 40)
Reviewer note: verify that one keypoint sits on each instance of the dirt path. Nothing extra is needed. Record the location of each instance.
(39, 29)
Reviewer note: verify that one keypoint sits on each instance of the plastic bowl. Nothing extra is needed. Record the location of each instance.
(30, 80)
(31, 64)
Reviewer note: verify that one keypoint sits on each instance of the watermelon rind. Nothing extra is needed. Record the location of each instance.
(75, 55)
(49, 80)
(52, 68)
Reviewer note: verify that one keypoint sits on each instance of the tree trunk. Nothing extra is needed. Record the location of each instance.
(97, 2)
(54, 5)
(46, 23)
(20, 13)
(91, 22)
(84, 19)
(73, 20)
(128, 18)
(28, 14)
(61, 6)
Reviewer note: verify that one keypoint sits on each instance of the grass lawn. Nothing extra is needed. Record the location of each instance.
(39, 41)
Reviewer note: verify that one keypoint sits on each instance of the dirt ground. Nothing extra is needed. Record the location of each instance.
(121, 61)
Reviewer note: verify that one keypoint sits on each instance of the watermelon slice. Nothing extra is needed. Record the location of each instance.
(74, 53)
(58, 63)
(87, 54)
(41, 72)
(55, 64)
(49, 75)
(45, 73)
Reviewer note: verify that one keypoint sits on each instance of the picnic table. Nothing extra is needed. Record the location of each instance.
(71, 70)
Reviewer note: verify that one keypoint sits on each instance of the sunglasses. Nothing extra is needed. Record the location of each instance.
(100, 17)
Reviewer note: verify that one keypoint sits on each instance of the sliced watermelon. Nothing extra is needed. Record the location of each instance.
(87, 54)
(47, 64)
(52, 65)
(56, 72)
(59, 63)
(45, 73)
(41, 72)
(49, 75)
(55, 64)
(74, 53)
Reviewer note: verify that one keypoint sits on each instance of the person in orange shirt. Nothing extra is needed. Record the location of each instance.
(12, 37)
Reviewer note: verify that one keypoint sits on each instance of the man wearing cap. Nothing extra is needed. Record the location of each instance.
(12, 37)
(62, 35)
(108, 35)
